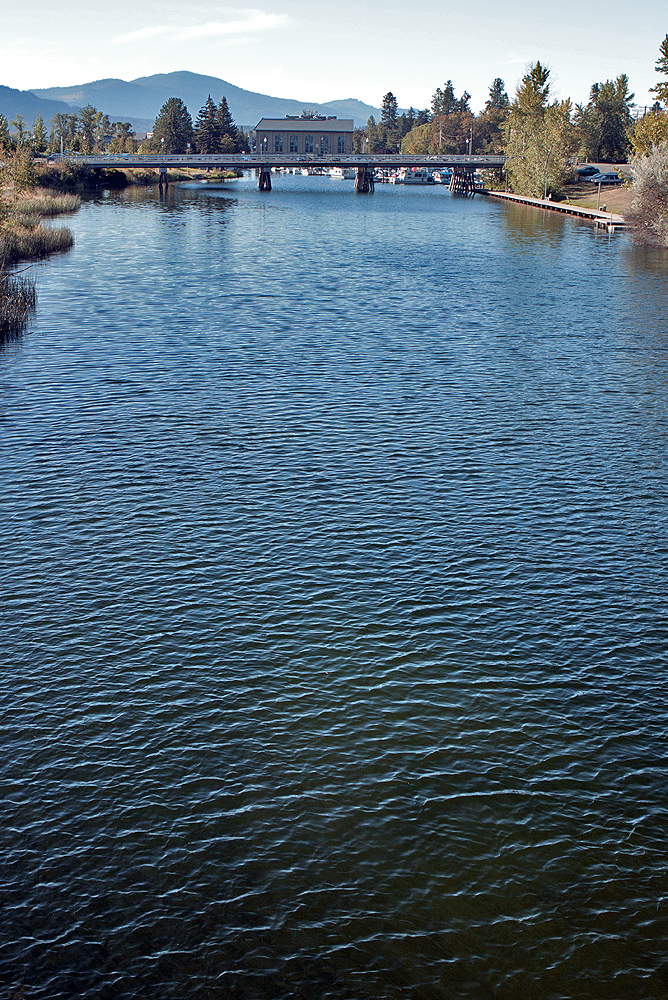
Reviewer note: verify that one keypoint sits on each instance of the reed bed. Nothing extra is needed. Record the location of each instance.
(46, 205)
(22, 243)
(17, 302)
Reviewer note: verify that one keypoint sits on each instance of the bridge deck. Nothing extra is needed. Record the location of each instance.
(251, 161)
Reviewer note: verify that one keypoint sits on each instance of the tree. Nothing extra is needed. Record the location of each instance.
(649, 206)
(122, 138)
(39, 140)
(661, 89)
(389, 111)
(232, 139)
(487, 127)
(5, 138)
(538, 136)
(173, 128)
(604, 123)
(207, 129)
(650, 130)
(444, 102)
(20, 130)
(498, 98)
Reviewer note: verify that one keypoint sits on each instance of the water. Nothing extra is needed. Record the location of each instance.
(335, 603)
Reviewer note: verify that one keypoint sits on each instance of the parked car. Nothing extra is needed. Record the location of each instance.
(586, 170)
(608, 178)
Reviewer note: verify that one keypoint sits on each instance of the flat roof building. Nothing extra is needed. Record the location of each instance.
(305, 134)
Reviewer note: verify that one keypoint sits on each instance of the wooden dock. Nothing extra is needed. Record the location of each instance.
(603, 220)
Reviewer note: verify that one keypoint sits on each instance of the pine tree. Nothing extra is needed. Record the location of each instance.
(207, 129)
(229, 135)
(5, 138)
(173, 128)
(39, 140)
(389, 112)
(661, 89)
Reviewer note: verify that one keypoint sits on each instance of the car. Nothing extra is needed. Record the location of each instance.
(586, 170)
(611, 177)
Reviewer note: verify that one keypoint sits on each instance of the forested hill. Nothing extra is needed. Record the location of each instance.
(25, 103)
(143, 98)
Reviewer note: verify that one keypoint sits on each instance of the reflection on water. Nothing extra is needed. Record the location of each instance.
(335, 626)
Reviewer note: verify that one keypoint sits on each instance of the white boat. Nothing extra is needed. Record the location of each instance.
(443, 176)
(413, 175)
(343, 173)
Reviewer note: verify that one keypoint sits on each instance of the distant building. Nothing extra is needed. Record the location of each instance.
(307, 133)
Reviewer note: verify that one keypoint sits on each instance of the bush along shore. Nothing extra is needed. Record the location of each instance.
(24, 237)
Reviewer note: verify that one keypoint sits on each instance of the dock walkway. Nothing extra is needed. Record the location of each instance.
(605, 220)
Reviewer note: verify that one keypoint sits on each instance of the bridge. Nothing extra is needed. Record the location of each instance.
(463, 167)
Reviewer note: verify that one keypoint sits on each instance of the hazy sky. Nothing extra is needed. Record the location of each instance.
(309, 50)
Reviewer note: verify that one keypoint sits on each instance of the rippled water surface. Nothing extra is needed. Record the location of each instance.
(335, 640)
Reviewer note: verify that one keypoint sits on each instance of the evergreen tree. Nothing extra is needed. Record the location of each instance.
(487, 127)
(5, 138)
(231, 139)
(498, 98)
(389, 112)
(173, 128)
(661, 89)
(207, 129)
(39, 140)
(20, 130)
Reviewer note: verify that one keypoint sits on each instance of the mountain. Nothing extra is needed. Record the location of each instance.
(142, 99)
(25, 103)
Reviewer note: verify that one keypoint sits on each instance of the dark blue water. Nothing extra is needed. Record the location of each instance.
(335, 547)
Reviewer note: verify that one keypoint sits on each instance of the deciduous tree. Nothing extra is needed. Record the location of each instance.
(539, 136)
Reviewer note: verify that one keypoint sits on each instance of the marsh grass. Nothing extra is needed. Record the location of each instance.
(46, 205)
(17, 302)
(31, 243)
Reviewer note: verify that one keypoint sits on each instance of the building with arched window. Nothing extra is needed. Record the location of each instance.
(304, 134)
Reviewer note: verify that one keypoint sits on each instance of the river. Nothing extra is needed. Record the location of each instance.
(335, 535)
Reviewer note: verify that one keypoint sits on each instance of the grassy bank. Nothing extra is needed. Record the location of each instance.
(24, 237)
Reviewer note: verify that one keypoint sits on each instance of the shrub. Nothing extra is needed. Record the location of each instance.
(649, 206)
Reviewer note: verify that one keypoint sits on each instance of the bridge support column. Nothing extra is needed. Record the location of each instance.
(264, 180)
(463, 181)
(364, 181)
(163, 176)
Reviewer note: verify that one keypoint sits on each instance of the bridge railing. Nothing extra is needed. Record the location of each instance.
(253, 160)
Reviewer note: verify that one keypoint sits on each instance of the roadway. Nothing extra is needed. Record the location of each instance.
(256, 161)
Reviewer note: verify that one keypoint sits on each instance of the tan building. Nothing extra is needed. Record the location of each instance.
(317, 134)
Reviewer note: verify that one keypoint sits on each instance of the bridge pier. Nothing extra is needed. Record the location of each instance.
(264, 180)
(463, 181)
(162, 174)
(364, 183)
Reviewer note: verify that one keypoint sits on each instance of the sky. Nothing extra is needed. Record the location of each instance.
(322, 51)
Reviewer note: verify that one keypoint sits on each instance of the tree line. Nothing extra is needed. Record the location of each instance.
(539, 135)
(91, 131)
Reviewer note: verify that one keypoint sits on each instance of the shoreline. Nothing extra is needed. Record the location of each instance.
(611, 221)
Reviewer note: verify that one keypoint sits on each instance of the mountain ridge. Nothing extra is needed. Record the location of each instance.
(143, 97)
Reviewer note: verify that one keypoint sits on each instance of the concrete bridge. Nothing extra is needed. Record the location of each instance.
(463, 167)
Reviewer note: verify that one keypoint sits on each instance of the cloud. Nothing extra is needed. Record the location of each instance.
(138, 36)
(255, 20)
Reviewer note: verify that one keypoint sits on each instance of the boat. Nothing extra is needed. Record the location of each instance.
(343, 173)
(443, 176)
(413, 175)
